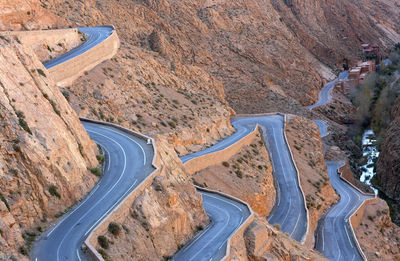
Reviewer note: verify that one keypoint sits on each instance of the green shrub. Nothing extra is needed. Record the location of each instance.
(66, 94)
(100, 158)
(23, 250)
(172, 124)
(114, 228)
(96, 171)
(2, 198)
(104, 254)
(239, 173)
(103, 242)
(54, 191)
(225, 164)
(41, 72)
(24, 125)
(277, 226)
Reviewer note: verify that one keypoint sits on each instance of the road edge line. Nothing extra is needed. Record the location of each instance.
(303, 240)
(86, 244)
(246, 222)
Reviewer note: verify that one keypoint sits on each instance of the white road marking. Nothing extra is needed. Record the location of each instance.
(77, 253)
(111, 208)
(122, 134)
(219, 232)
(106, 194)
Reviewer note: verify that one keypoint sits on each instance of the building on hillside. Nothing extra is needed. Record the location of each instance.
(367, 66)
(354, 76)
(372, 52)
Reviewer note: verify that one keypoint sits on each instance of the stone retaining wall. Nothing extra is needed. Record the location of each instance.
(217, 157)
(65, 73)
(357, 216)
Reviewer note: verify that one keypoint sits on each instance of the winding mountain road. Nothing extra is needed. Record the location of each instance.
(324, 95)
(94, 36)
(289, 210)
(128, 162)
(334, 238)
(226, 216)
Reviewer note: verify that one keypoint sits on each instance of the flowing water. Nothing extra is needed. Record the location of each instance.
(371, 153)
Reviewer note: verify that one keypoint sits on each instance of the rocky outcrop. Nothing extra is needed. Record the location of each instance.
(27, 15)
(388, 168)
(44, 154)
(262, 242)
(378, 236)
(163, 217)
(306, 145)
(48, 44)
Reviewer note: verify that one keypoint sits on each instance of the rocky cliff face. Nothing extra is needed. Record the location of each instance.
(378, 236)
(388, 168)
(261, 241)
(334, 30)
(262, 52)
(27, 15)
(45, 150)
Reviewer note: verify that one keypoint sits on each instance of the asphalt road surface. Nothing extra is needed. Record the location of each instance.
(128, 162)
(334, 238)
(289, 210)
(323, 127)
(325, 94)
(226, 216)
(94, 36)
(242, 130)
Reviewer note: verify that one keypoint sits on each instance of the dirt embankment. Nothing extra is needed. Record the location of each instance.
(306, 145)
(45, 151)
(247, 175)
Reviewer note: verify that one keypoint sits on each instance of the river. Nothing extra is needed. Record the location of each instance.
(371, 153)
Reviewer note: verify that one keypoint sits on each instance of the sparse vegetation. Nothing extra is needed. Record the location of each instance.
(24, 125)
(3, 199)
(96, 171)
(53, 190)
(41, 72)
(100, 159)
(225, 164)
(114, 228)
(103, 242)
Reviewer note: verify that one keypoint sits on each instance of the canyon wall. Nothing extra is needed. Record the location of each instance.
(263, 52)
(27, 15)
(45, 150)
(48, 44)
(388, 168)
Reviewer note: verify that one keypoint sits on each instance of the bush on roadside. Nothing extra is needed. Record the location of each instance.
(103, 242)
(114, 228)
